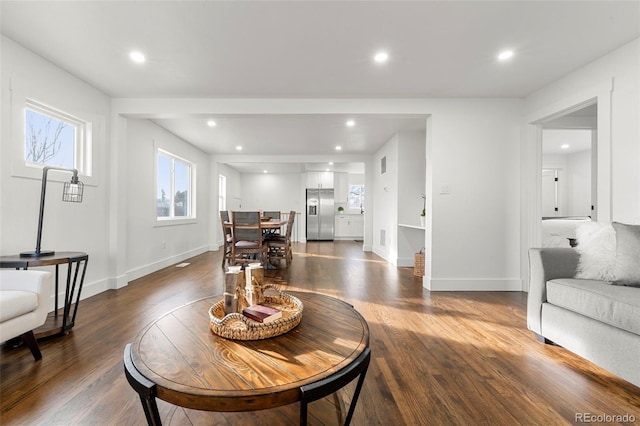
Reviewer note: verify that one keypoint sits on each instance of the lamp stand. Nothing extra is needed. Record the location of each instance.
(76, 196)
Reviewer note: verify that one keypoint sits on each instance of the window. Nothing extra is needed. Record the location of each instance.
(54, 138)
(175, 199)
(356, 197)
(222, 193)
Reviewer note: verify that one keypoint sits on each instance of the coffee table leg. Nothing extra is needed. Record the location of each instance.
(315, 391)
(146, 389)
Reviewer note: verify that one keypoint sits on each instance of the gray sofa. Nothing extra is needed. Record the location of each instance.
(594, 319)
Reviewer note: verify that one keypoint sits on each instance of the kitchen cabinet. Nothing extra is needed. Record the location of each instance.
(349, 226)
(320, 180)
(341, 186)
(342, 226)
(356, 225)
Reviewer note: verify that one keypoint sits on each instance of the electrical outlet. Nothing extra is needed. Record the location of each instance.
(445, 189)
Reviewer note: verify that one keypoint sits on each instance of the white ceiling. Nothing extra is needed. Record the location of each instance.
(578, 140)
(316, 49)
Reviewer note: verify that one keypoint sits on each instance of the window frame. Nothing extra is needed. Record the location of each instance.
(172, 219)
(361, 206)
(82, 136)
(89, 172)
(222, 192)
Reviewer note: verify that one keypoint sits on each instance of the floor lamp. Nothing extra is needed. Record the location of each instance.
(72, 193)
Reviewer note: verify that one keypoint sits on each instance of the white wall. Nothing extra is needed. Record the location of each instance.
(67, 226)
(411, 176)
(397, 197)
(473, 231)
(574, 182)
(273, 191)
(385, 201)
(151, 246)
(579, 182)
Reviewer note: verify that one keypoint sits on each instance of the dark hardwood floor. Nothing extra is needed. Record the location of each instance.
(437, 358)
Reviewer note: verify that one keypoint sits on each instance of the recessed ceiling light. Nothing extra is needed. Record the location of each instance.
(264, 171)
(505, 55)
(331, 163)
(565, 146)
(137, 57)
(381, 57)
(211, 123)
(239, 148)
(351, 123)
(338, 148)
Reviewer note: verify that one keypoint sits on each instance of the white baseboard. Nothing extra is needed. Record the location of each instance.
(383, 254)
(113, 283)
(477, 284)
(141, 271)
(405, 262)
(88, 290)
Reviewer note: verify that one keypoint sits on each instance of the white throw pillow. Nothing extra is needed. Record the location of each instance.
(627, 265)
(597, 248)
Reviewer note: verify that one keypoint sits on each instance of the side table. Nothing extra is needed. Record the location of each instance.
(57, 323)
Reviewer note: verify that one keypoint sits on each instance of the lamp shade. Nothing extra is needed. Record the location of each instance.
(72, 192)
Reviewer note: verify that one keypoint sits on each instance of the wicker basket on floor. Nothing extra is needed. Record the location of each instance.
(418, 268)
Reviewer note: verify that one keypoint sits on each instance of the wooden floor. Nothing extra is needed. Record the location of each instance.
(437, 358)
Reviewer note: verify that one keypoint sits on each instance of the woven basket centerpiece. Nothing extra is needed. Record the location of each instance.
(239, 327)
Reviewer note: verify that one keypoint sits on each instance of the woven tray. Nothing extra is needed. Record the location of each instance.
(238, 327)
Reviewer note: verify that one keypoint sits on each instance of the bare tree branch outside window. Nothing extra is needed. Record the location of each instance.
(50, 139)
(42, 143)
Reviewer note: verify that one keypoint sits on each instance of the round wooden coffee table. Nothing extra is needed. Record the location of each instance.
(179, 360)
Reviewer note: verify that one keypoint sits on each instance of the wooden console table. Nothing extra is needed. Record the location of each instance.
(57, 322)
(179, 360)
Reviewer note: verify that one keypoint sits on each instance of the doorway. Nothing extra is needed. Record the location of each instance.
(569, 173)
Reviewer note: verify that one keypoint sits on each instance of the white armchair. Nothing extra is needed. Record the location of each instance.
(24, 304)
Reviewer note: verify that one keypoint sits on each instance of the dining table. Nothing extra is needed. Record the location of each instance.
(271, 226)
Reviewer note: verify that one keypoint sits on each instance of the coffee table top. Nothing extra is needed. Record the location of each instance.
(194, 368)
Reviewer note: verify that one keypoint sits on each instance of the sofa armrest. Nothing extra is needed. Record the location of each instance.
(546, 264)
(38, 282)
(35, 281)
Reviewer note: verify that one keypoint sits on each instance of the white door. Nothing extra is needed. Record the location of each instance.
(550, 206)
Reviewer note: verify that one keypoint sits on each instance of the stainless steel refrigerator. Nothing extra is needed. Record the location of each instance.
(320, 214)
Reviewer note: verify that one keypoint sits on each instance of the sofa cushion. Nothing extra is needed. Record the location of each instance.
(14, 303)
(614, 305)
(627, 265)
(597, 248)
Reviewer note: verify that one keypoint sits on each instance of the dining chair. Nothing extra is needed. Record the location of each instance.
(247, 244)
(226, 236)
(272, 215)
(279, 246)
(271, 232)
